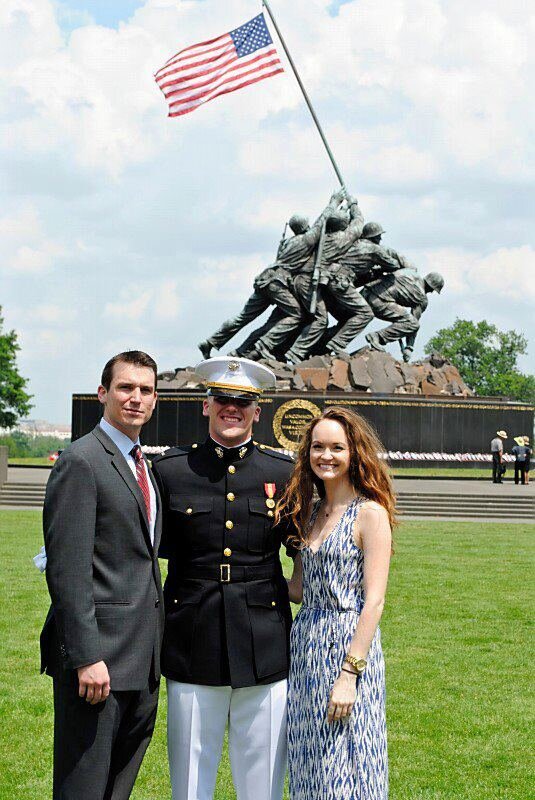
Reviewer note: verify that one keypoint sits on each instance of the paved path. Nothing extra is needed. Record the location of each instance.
(415, 497)
(419, 485)
(453, 486)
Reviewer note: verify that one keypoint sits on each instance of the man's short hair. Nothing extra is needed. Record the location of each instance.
(136, 357)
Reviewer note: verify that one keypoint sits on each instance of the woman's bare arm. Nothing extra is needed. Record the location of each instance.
(295, 584)
(374, 537)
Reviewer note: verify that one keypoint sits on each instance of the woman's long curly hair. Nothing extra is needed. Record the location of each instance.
(367, 473)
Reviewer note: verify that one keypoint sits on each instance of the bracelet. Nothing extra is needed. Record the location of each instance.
(350, 672)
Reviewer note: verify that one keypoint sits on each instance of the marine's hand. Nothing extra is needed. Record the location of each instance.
(342, 697)
(94, 682)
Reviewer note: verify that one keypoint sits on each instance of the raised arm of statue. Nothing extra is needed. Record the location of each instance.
(313, 234)
(345, 239)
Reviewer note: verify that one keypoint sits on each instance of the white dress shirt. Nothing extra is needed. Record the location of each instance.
(125, 445)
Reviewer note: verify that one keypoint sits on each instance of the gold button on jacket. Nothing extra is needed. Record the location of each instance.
(227, 537)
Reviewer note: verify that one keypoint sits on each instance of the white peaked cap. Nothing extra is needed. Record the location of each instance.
(235, 376)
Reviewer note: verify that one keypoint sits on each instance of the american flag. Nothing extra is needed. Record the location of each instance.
(206, 70)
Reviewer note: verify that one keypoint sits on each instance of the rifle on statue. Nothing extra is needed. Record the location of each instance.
(283, 239)
(316, 275)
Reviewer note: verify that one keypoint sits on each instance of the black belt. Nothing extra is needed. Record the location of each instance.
(228, 573)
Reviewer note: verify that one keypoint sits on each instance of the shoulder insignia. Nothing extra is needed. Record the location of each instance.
(275, 452)
(172, 452)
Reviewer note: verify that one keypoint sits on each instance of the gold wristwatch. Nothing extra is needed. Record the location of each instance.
(358, 664)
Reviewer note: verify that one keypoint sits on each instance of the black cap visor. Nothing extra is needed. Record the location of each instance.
(232, 395)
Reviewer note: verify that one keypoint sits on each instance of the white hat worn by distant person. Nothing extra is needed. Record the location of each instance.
(502, 434)
(235, 377)
(519, 440)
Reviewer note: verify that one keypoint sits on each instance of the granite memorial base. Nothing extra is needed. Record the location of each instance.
(405, 423)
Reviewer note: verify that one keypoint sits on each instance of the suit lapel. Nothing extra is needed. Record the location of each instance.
(158, 507)
(119, 463)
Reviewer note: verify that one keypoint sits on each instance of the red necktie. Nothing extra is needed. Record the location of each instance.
(141, 475)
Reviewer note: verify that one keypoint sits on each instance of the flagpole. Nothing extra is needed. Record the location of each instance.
(305, 95)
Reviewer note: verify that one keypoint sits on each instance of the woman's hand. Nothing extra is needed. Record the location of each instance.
(343, 696)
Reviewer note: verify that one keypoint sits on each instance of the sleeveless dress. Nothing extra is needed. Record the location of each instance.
(344, 760)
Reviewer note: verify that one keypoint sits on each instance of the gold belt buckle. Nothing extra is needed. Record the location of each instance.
(224, 573)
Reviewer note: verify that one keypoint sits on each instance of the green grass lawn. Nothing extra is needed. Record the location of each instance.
(31, 461)
(443, 472)
(456, 639)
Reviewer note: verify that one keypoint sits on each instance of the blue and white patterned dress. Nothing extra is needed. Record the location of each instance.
(345, 760)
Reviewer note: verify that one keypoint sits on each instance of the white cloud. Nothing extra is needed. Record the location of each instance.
(507, 274)
(131, 306)
(228, 277)
(27, 249)
(135, 302)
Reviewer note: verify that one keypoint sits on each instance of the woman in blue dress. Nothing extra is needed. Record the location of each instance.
(336, 694)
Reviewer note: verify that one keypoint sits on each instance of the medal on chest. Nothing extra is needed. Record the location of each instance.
(270, 489)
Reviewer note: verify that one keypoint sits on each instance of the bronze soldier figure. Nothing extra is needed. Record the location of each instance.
(364, 262)
(400, 298)
(342, 229)
(274, 286)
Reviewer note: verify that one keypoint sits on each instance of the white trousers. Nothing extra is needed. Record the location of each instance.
(196, 720)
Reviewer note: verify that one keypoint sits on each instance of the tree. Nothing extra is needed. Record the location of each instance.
(486, 358)
(14, 400)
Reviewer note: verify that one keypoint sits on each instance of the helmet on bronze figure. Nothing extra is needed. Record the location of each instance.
(337, 221)
(299, 224)
(435, 281)
(371, 230)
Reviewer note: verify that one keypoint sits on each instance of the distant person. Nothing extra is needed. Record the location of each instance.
(101, 639)
(496, 448)
(336, 694)
(528, 459)
(520, 452)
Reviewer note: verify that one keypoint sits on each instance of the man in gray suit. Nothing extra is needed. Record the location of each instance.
(102, 636)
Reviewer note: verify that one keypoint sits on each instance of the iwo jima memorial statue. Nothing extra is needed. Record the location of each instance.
(327, 283)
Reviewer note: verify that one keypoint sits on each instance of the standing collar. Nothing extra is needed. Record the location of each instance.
(119, 439)
(228, 454)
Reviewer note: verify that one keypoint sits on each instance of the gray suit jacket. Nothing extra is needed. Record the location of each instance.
(102, 570)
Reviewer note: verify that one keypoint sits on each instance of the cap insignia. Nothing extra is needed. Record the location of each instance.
(233, 366)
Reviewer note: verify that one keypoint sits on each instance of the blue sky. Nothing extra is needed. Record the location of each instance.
(103, 12)
(123, 229)
(111, 12)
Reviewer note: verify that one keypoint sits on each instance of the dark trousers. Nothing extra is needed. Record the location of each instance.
(353, 313)
(520, 472)
(401, 317)
(275, 293)
(496, 475)
(98, 749)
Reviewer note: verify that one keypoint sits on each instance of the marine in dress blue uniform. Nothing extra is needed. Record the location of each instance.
(226, 640)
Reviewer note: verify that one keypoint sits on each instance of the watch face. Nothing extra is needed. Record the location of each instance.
(360, 666)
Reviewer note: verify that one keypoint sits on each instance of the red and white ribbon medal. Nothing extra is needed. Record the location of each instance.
(270, 489)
